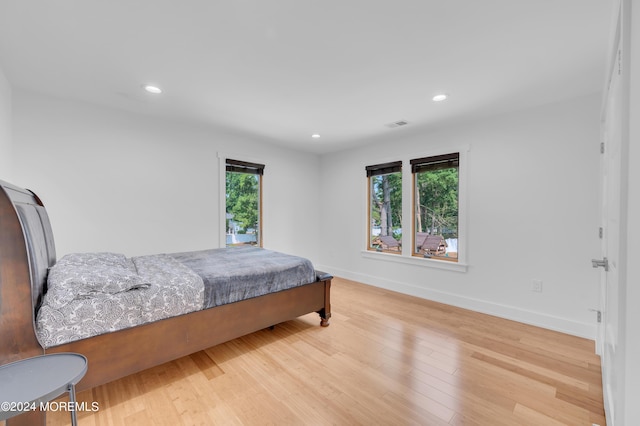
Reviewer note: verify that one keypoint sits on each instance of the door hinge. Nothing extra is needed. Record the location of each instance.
(601, 147)
(598, 314)
(600, 232)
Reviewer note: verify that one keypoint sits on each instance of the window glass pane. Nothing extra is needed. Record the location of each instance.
(385, 212)
(243, 208)
(436, 212)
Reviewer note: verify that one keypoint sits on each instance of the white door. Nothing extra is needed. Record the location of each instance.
(610, 303)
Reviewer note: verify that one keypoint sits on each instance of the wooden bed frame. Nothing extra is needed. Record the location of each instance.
(27, 250)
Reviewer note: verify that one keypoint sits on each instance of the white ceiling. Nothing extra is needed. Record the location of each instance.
(282, 70)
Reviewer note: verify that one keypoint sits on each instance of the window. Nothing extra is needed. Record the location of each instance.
(385, 207)
(433, 188)
(435, 212)
(243, 200)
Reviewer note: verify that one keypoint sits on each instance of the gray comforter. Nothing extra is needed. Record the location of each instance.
(237, 273)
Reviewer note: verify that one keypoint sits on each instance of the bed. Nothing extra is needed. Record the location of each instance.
(27, 254)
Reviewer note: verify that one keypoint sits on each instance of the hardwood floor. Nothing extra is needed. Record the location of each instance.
(386, 359)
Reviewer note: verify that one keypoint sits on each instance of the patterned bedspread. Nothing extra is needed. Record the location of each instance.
(95, 293)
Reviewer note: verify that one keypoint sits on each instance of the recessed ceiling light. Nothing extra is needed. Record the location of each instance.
(152, 89)
(315, 136)
(439, 98)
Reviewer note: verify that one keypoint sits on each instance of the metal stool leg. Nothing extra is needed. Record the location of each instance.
(72, 400)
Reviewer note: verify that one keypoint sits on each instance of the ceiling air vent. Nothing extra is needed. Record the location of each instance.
(398, 124)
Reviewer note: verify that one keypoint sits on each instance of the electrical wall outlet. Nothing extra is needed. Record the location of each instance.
(536, 286)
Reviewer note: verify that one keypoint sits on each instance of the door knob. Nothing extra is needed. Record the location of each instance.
(604, 263)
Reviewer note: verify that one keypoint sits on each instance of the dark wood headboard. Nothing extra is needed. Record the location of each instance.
(27, 250)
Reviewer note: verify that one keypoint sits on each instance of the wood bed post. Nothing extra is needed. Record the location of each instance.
(325, 312)
(17, 332)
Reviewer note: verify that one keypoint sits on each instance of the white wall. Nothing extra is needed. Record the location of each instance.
(533, 213)
(129, 183)
(5, 128)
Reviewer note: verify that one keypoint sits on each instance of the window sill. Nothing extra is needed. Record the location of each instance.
(416, 261)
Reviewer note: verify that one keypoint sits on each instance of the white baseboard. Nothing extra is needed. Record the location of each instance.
(563, 325)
